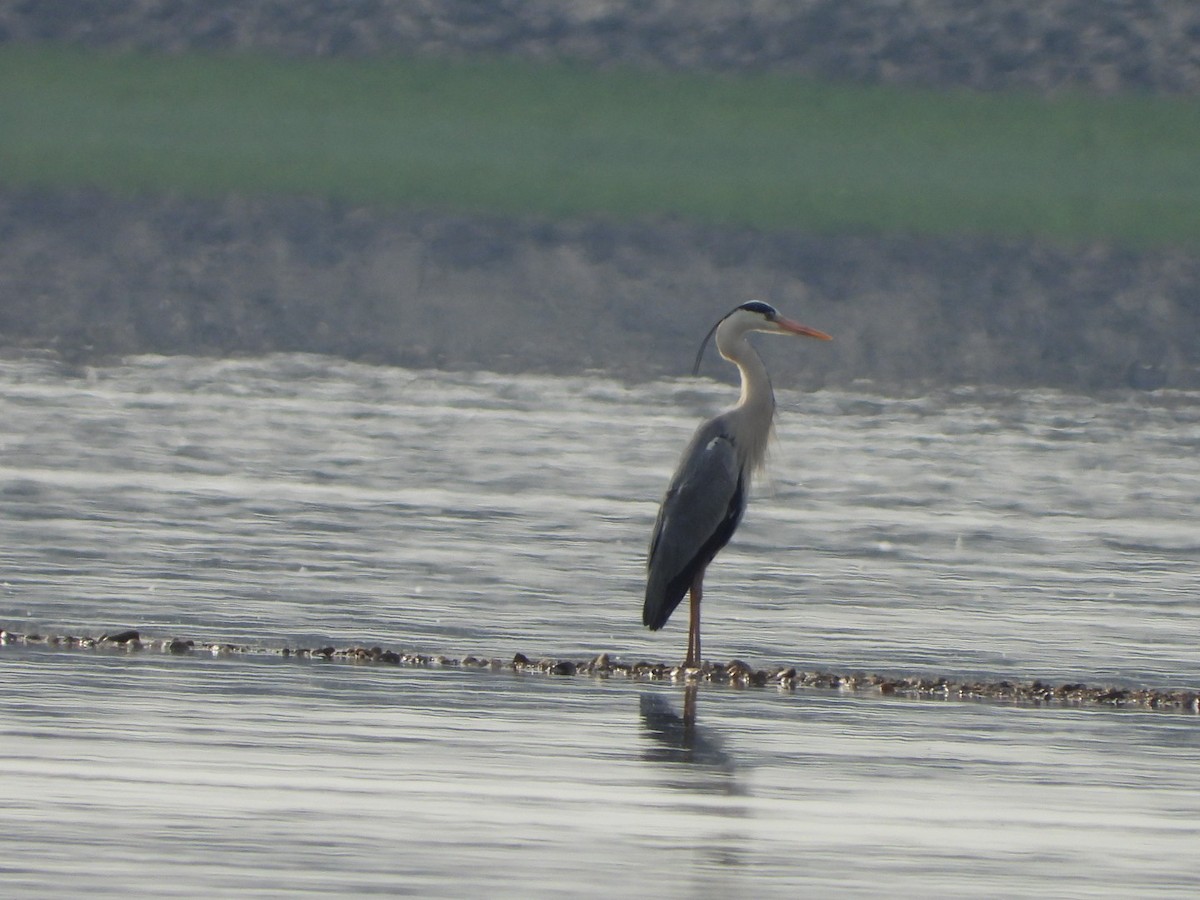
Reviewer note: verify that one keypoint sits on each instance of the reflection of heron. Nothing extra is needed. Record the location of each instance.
(679, 738)
(707, 496)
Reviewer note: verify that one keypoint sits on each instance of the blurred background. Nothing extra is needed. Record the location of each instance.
(988, 192)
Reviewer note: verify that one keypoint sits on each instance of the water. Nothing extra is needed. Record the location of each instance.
(300, 500)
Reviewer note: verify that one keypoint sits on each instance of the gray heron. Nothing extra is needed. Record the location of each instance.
(707, 495)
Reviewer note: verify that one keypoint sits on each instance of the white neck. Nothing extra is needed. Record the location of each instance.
(756, 406)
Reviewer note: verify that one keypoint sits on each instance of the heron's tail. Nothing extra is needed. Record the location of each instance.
(662, 596)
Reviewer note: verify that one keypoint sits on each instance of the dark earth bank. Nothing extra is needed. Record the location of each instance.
(92, 276)
(1049, 45)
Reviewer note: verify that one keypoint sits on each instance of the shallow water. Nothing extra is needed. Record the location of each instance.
(307, 501)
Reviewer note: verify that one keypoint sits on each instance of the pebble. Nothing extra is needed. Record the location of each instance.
(736, 673)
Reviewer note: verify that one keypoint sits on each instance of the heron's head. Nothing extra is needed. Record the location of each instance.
(755, 316)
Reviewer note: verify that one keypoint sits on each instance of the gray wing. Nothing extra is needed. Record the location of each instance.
(703, 506)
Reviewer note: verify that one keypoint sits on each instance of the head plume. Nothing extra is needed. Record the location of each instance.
(766, 310)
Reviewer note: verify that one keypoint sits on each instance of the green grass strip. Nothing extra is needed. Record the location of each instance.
(560, 140)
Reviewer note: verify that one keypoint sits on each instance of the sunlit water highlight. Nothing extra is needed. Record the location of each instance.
(304, 500)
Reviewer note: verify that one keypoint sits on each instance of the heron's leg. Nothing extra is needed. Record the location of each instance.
(693, 654)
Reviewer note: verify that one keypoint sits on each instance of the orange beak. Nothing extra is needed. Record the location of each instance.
(796, 328)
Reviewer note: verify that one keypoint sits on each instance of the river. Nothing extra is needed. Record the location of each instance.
(301, 500)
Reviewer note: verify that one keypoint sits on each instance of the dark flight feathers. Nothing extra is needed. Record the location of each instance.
(700, 512)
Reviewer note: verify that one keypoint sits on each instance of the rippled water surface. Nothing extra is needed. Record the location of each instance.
(300, 500)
